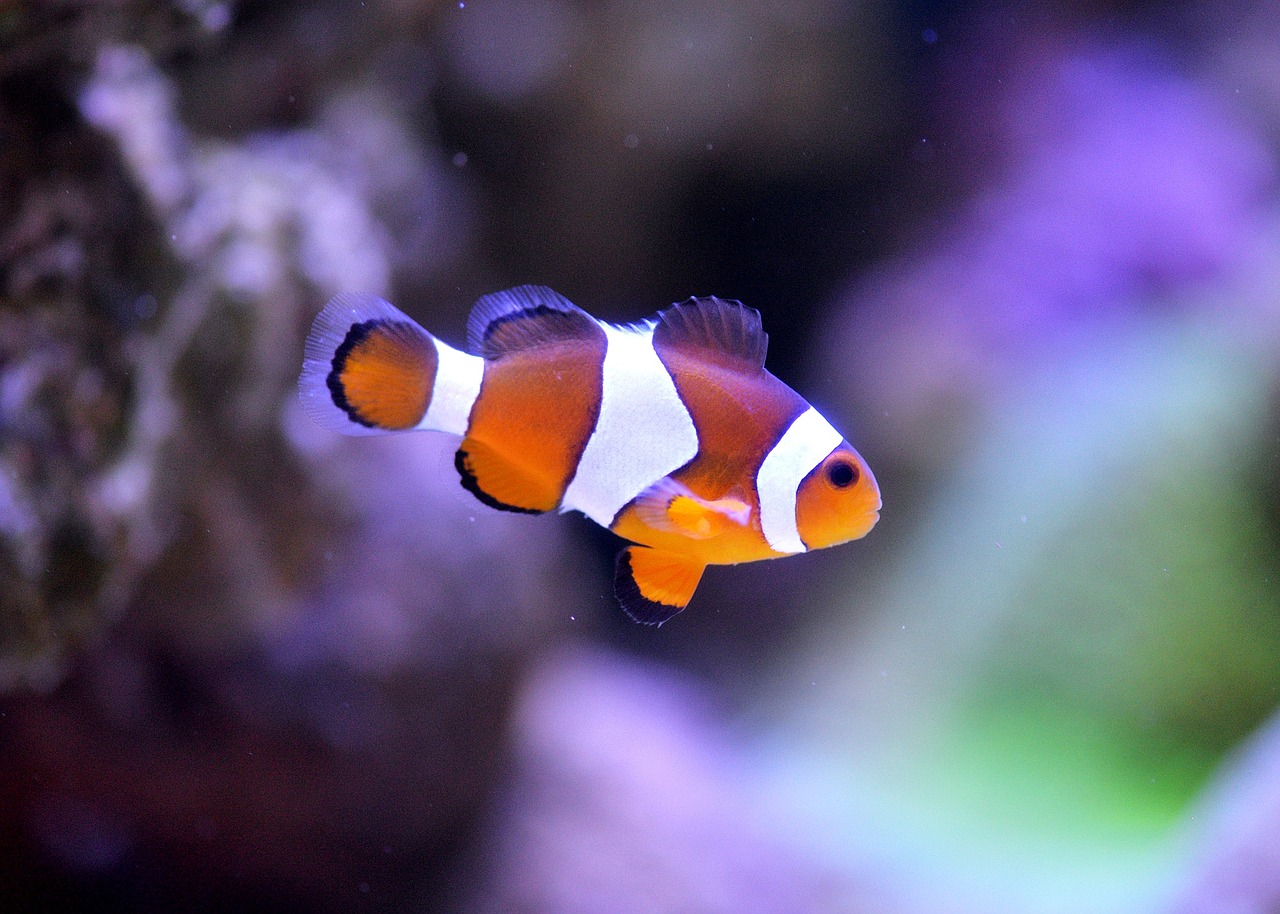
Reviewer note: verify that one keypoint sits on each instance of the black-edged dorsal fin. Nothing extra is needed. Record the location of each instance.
(523, 318)
(715, 329)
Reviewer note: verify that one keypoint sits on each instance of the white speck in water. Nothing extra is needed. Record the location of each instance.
(999, 545)
(459, 159)
(462, 5)
(631, 141)
(573, 618)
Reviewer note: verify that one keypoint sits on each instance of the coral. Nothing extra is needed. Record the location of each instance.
(255, 647)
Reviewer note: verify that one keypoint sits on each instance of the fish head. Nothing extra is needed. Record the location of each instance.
(838, 501)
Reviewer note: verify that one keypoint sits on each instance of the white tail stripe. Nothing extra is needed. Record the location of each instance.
(804, 445)
(457, 385)
(643, 432)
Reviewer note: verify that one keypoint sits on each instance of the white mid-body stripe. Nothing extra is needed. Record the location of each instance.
(644, 431)
(801, 448)
(456, 387)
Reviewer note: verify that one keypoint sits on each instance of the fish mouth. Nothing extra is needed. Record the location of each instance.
(869, 520)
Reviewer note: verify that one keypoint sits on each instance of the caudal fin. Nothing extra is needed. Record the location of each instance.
(369, 368)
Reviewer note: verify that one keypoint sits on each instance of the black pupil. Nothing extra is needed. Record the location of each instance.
(842, 474)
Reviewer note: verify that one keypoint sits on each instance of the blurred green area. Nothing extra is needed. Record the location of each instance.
(1081, 628)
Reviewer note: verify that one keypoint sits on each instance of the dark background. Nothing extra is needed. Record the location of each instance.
(1027, 256)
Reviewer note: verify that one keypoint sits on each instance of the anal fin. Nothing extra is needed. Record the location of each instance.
(652, 585)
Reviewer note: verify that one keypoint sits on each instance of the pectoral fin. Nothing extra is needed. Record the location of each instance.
(653, 584)
(672, 507)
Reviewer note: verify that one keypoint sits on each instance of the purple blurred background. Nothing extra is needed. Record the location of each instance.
(1027, 257)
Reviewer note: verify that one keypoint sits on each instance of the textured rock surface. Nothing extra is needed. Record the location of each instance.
(244, 658)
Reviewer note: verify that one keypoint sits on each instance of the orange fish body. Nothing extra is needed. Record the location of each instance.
(670, 432)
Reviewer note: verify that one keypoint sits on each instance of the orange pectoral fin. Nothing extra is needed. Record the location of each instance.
(653, 585)
(691, 517)
(500, 483)
(670, 506)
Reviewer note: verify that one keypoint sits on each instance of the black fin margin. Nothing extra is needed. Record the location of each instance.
(524, 317)
(320, 390)
(472, 485)
(355, 336)
(635, 604)
(406, 330)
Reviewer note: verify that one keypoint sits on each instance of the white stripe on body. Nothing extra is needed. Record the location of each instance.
(801, 448)
(643, 433)
(456, 387)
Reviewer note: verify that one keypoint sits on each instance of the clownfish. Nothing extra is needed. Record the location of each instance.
(669, 432)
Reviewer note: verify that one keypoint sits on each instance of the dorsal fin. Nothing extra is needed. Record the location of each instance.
(523, 318)
(715, 329)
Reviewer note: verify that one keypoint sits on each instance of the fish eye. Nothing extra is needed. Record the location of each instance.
(842, 474)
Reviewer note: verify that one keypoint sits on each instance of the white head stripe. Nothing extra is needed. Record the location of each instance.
(457, 385)
(801, 448)
(643, 433)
